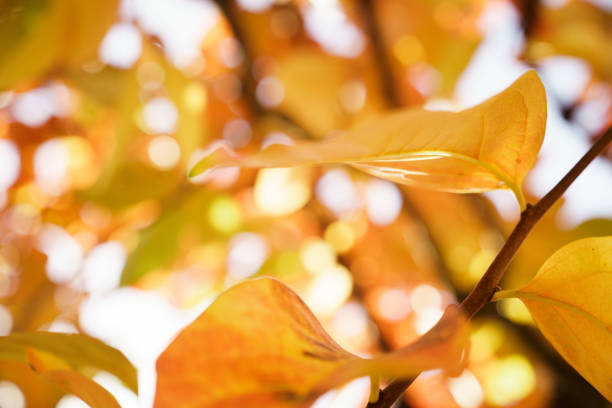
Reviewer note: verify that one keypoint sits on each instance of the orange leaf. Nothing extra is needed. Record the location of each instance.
(258, 343)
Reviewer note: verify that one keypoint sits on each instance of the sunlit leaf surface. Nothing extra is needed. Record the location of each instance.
(570, 300)
(259, 344)
(491, 145)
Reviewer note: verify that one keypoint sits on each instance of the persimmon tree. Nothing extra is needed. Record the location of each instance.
(180, 157)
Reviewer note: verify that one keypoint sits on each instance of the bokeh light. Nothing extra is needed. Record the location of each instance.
(103, 233)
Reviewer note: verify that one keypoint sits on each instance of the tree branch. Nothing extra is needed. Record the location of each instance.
(487, 286)
(386, 74)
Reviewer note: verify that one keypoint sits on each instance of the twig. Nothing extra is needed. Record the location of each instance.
(487, 286)
(531, 12)
(391, 393)
(386, 74)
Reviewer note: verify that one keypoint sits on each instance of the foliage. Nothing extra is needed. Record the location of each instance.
(568, 299)
(288, 170)
(259, 328)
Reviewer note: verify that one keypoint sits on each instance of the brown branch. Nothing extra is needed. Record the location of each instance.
(226, 7)
(487, 286)
(377, 43)
(530, 14)
(391, 393)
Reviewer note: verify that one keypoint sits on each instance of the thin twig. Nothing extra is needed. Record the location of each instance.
(486, 287)
(531, 12)
(488, 284)
(386, 74)
(391, 393)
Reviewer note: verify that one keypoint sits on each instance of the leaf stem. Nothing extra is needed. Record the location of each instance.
(488, 284)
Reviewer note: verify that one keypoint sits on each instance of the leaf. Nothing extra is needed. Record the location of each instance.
(83, 387)
(76, 350)
(159, 244)
(570, 300)
(491, 145)
(313, 83)
(420, 35)
(37, 36)
(32, 304)
(259, 344)
(577, 28)
(56, 371)
(44, 388)
(38, 391)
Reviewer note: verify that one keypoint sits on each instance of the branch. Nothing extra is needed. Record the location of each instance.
(391, 393)
(225, 7)
(487, 286)
(386, 74)
(531, 12)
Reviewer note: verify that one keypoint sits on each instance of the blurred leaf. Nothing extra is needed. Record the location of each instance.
(76, 350)
(56, 371)
(107, 86)
(465, 241)
(44, 388)
(191, 100)
(38, 391)
(37, 36)
(570, 300)
(482, 148)
(259, 344)
(132, 183)
(429, 43)
(83, 387)
(316, 85)
(577, 28)
(159, 243)
(125, 181)
(33, 303)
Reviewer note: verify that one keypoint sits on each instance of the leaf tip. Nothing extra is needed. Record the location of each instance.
(219, 154)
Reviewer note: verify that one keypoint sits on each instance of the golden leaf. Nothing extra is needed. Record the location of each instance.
(259, 343)
(74, 350)
(37, 36)
(56, 371)
(580, 29)
(570, 300)
(489, 146)
(322, 92)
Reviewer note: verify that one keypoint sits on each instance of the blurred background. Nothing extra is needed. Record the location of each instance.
(104, 106)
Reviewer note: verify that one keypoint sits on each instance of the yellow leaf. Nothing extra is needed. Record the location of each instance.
(489, 146)
(55, 370)
(420, 35)
(41, 361)
(38, 392)
(259, 344)
(37, 36)
(83, 387)
(580, 29)
(74, 350)
(323, 92)
(570, 299)
(44, 388)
